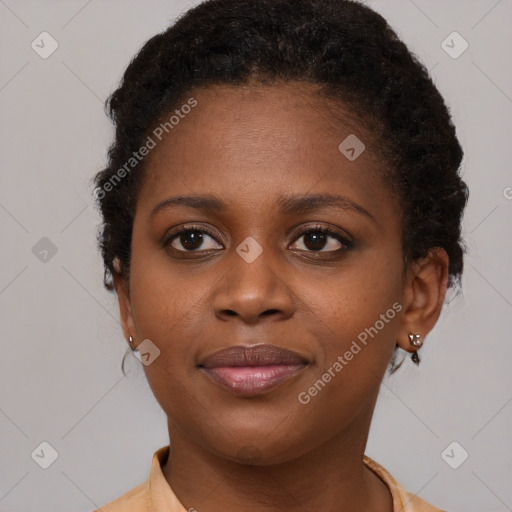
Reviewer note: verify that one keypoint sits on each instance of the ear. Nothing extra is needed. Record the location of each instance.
(425, 290)
(123, 295)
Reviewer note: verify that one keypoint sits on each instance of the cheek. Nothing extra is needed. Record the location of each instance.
(355, 316)
(168, 307)
(353, 297)
(166, 304)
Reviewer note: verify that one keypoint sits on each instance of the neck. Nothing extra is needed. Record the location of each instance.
(330, 477)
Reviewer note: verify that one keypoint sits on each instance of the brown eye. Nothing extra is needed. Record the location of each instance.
(193, 240)
(321, 239)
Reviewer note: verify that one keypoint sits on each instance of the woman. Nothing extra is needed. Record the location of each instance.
(281, 214)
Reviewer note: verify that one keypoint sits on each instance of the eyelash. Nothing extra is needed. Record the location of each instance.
(347, 244)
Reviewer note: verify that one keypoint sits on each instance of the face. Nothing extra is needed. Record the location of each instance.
(293, 246)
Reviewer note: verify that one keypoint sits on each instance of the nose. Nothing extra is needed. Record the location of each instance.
(253, 291)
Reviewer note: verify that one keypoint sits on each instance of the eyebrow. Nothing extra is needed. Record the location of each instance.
(287, 204)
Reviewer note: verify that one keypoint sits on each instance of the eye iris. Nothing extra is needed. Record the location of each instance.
(191, 240)
(315, 240)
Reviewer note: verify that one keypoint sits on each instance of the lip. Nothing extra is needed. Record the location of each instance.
(252, 370)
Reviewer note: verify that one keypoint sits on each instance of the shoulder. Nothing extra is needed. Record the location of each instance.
(414, 503)
(135, 500)
(403, 501)
(151, 494)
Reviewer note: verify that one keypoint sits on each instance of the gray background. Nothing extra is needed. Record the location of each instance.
(62, 345)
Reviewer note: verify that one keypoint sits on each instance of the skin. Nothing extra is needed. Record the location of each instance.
(248, 146)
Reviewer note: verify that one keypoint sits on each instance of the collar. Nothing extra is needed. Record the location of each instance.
(161, 498)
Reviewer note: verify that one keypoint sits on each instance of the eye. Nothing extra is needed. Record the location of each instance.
(321, 239)
(193, 239)
(315, 239)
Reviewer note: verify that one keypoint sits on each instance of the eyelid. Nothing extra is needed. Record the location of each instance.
(345, 240)
(184, 228)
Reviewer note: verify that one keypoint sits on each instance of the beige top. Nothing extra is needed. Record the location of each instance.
(155, 494)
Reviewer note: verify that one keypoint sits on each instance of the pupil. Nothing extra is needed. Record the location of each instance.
(191, 240)
(314, 240)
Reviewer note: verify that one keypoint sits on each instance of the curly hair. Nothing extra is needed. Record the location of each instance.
(341, 45)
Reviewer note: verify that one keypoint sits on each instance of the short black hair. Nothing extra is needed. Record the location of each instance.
(341, 45)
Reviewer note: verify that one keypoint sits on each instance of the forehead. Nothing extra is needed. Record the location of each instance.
(250, 142)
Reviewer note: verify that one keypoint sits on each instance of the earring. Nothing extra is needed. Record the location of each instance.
(130, 341)
(416, 341)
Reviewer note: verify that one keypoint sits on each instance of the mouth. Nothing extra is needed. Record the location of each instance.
(252, 370)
